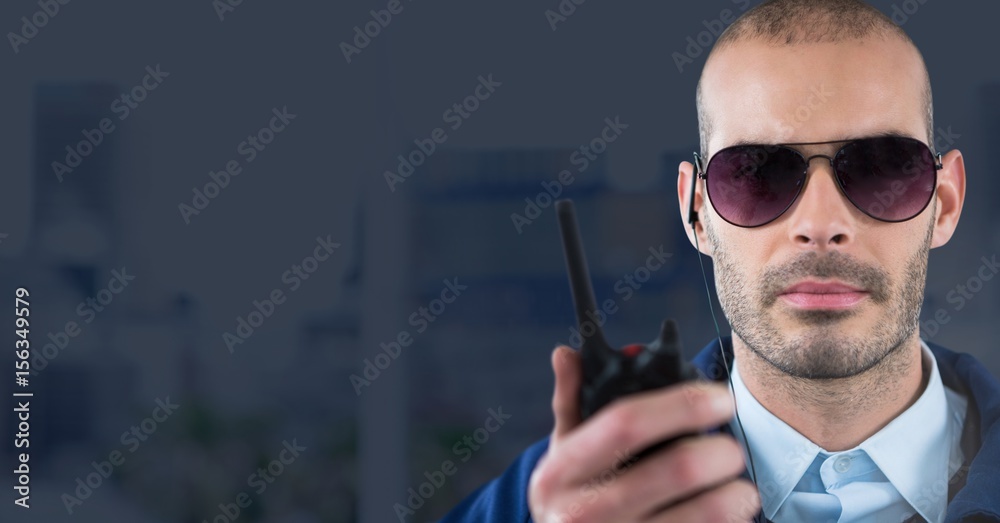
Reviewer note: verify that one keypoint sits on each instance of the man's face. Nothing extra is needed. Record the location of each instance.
(813, 93)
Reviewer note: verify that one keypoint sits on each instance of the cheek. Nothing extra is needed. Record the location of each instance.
(749, 254)
(899, 270)
(739, 262)
(898, 250)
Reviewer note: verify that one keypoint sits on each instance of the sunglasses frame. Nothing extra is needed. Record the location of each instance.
(702, 173)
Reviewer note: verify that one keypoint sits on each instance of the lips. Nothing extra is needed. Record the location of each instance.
(822, 295)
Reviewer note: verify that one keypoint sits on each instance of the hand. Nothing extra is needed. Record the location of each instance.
(587, 475)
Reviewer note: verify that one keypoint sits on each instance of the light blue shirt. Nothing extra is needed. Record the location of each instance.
(900, 470)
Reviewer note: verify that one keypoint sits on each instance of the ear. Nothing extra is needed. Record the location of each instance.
(685, 173)
(950, 196)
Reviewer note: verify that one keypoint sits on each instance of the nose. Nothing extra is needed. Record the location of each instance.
(821, 218)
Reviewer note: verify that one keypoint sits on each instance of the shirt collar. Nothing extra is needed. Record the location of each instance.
(927, 428)
(781, 454)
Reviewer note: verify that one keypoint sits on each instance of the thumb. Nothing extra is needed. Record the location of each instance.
(565, 397)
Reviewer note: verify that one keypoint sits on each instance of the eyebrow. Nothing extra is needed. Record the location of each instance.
(879, 134)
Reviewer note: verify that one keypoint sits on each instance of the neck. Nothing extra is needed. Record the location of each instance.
(837, 414)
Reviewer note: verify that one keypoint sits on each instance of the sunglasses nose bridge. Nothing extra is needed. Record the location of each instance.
(805, 191)
(828, 159)
(821, 203)
(833, 169)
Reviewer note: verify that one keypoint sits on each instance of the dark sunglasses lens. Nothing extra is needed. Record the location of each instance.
(890, 179)
(752, 185)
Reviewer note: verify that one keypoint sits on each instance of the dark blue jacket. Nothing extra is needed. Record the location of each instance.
(974, 491)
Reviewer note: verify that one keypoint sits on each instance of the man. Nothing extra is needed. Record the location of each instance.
(820, 251)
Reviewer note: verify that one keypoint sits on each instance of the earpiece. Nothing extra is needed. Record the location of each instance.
(692, 214)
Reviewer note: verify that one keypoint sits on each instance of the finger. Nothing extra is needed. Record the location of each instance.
(630, 424)
(566, 396)
(682, 470)
(735, 501)
(630, 491)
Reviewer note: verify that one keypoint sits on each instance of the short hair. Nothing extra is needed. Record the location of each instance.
(791, 22)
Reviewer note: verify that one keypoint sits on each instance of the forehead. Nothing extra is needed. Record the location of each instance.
(759, 92)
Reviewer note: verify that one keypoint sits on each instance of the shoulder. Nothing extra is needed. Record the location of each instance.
(976, 486)
(961, 370)
(504, 499)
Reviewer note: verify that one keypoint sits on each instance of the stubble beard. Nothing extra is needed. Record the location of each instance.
(825, 349)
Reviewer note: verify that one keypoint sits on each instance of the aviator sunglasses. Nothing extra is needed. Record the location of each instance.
(890, 178)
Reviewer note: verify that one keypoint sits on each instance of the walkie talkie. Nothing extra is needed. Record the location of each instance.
(609, 373)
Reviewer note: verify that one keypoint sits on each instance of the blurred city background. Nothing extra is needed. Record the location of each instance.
(242, 405)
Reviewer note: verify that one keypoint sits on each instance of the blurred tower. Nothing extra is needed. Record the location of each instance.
(75, 212)
(485, 219)
(76, 241)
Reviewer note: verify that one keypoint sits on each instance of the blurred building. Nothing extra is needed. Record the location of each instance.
(76, 241)
(486, 220)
